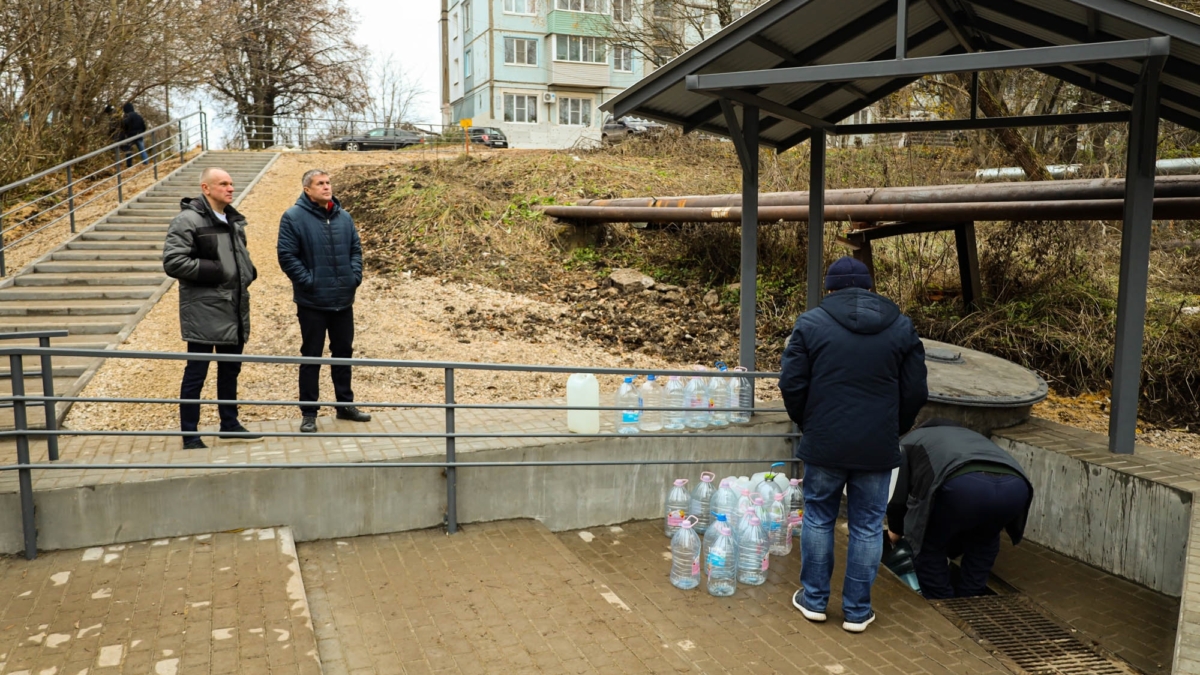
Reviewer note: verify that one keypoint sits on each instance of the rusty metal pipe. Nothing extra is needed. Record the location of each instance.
(1088, 189)
(1177, 208)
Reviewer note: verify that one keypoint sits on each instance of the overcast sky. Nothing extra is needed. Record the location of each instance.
(408, 30)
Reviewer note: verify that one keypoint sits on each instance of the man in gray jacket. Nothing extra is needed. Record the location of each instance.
(206, 251)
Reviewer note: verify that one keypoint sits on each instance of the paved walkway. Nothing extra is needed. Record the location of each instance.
(99, 284)
(213, 604)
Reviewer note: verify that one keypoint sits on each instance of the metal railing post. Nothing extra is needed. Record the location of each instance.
(48, 391)
(451, 477)
(180, 141)
(3, 269)
(71, 198)
(24, 476)
(154, 154)
(203, 130)
(120, 187)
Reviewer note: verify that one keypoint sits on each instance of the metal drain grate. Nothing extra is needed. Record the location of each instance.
(1029, 638)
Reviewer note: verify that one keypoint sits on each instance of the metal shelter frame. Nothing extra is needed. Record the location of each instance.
(747, 90)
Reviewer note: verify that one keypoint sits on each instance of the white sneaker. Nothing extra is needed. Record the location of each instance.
(859, 627)
(808, 613)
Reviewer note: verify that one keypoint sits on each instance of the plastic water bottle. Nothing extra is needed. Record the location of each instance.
(583, 391)
(768, 488)
(674, 398)
(650, 395)
(760, 511)
(718, 397)
(677, 504)
(696, 396)
(777, 531)
(710, 535)
(794, 522)
(630, 411)
(685, 557)
(797, 495)
(745, 504)
(753, 552)
(741, 396)
(721, 562)
(724, 501)
(700, 505)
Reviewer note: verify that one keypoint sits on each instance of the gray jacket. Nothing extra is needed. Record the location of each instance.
(210, 260)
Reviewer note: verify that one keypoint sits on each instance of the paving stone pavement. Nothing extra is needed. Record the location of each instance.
(212, 604)
(1131, 621)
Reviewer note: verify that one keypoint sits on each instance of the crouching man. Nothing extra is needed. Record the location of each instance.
(956, 491)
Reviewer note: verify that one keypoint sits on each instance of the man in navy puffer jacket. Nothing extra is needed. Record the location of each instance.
(320, 252)
(853, 379)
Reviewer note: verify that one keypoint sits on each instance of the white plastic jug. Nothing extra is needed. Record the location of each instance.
(583, 391)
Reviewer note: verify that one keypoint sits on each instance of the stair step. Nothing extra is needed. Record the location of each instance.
(138, 255)
(79, 245)
(79, 307)
(33, 370)
(94, 292)
(124, 236)
(74, 325)
(89, 279)
(148, 211)
(33, 385)
(105, 266)
(133, 224)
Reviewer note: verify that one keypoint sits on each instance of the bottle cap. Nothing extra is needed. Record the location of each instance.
(628, 380)
(651, 377)
(680, 482)
(721, 517)
(778, 496)
(758, 500)
(707, 476)
(755, 521)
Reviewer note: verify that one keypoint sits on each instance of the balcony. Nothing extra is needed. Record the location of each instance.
(572, 74)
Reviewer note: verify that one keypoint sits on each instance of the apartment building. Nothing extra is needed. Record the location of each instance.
(536, 69)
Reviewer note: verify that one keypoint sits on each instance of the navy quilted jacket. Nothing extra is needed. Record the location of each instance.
(320, 252)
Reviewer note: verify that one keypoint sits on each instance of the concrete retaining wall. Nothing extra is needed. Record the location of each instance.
(1134, 527)
(327, 503)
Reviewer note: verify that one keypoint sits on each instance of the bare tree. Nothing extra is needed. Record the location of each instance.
(285, 57)
(394, 93)
(660, 30)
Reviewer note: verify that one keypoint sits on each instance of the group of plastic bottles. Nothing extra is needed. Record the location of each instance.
(743, 522)
(694, 404)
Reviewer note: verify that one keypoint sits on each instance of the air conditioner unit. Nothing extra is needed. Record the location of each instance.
(549, 97)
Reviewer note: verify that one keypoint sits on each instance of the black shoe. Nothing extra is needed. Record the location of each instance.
(194, 443)
(239, 429)
(309, 425)
(353, 414)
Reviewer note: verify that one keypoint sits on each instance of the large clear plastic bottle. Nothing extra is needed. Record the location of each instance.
(650, 396)
(710, 535)
(676, 399)
(777, 530)
(794, 522)
(724, 501)
(796, 495)
(685, 556)
(768, 488)
(753, 551)
(718, 397)
(628, 409)
(700, 505)
(677, 504)
(721, 562)
(745, 504)
(741, 395)
(696, 396)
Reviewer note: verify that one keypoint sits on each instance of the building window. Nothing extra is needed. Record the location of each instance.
(580, 49)
(594, 6)
(520, 108)
(467, 16)
(467, 63)
(520, 52)
(662, 9)
(623, 59)
(519, 7)
(662, 55)
(575, 112)
(622, 10)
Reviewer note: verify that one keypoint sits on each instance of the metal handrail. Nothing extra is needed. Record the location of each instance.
(20, 399)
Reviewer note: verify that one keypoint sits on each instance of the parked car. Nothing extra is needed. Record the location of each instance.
(377, 139)
(489, 136)
(618, 129)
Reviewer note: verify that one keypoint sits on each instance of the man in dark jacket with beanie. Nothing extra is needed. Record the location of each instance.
(320, 252)
(853, 379)
(955, 492)
(206, 251)
(133, 125)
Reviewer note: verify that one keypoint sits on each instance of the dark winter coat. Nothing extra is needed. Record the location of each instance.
(132, 123)
(930, 456)
(210, 260)
(853, 379)
(320, 252)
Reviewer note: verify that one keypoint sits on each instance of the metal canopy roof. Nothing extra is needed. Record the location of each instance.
(792, 33)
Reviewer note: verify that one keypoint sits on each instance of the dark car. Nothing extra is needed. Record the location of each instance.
(378, 139)
(617, 129)
(489, 136)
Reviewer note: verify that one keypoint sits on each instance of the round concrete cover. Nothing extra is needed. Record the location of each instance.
(963, 376)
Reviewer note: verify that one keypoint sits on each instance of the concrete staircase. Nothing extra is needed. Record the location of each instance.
(101, 283)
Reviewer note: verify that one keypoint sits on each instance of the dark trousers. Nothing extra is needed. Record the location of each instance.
(136, 147)
(194, 374)
(314, 326)
(969, 512)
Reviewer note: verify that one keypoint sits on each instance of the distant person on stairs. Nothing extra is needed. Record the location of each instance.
(320, 252)
(206, 251)
(132, 124)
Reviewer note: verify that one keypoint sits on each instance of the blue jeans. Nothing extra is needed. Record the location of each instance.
(866, 503)
(139, 146)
